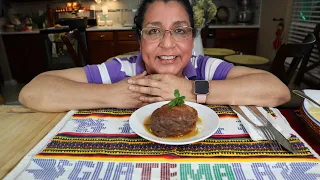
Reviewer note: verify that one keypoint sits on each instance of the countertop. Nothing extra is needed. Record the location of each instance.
(108, 28)
(217, 26)
(113, 28)
(21, 130)
(36, 31)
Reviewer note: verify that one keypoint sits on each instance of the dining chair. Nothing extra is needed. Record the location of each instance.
(307, 66)
(297, 51)
(79, 51)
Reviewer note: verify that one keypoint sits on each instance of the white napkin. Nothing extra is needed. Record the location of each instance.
(280, 123)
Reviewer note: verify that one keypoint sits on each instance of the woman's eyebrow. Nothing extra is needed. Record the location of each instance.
(156, 23)
(180, 23)
(177, 23)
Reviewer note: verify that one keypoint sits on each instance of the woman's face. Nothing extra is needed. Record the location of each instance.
(166, 55)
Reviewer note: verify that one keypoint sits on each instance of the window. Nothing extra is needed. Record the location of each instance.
(305, 16)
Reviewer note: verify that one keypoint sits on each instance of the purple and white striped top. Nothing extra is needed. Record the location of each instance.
(199, 68)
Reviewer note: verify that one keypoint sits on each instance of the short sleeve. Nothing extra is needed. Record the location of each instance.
(222, 70)
(104, 73)
(209, 68)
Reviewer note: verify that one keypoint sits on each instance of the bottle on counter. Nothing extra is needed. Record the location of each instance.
(50, 16)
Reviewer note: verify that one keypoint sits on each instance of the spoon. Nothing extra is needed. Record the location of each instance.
(301, 94)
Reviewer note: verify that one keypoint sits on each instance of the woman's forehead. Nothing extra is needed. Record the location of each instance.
(171, 13)
(176, 23)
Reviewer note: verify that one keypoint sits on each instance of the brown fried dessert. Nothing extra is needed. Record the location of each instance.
(173, 122)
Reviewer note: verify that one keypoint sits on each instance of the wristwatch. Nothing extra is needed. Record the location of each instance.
(201, 90)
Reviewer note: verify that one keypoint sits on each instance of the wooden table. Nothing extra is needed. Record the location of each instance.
(218, 52)
(246, 59)
(21, 130)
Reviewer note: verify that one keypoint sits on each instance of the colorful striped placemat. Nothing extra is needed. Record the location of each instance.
(99, 144)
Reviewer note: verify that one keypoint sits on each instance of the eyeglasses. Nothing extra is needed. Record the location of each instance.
(155, 33)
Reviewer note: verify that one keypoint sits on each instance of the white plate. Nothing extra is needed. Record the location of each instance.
(315, 95)
(207, 127)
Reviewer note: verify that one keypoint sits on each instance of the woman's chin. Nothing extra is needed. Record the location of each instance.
(167, 71)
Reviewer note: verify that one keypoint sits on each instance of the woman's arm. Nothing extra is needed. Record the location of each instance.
(243, 86)
(63, 90)
(247, 86)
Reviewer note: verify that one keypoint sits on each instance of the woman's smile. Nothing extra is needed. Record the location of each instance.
(165, 59)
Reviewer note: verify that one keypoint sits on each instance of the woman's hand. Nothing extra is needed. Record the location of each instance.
(160, 87)
(125, 98)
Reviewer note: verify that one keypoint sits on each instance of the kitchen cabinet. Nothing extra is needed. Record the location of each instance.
(101, 46)
(26, 55)
(105, 44)
(126, 42)
(238, 39)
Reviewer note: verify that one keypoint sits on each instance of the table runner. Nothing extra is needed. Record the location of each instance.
(99, 144)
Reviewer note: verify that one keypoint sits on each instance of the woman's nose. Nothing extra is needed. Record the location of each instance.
(167, 41)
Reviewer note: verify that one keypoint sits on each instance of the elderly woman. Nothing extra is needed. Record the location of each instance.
(165, 63)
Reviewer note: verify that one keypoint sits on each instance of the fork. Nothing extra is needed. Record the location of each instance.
(268, 126)
(264, 129)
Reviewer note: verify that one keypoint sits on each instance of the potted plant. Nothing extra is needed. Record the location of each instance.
(203, 11)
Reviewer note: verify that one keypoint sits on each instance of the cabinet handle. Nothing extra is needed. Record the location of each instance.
(102, 36)
(210, 35)
(131, 35)
(233, 34)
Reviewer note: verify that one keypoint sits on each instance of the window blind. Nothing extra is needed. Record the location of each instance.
(305, 16)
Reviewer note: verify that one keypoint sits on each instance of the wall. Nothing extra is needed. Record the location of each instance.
(105, 5)
(232, 7)
(272, 9)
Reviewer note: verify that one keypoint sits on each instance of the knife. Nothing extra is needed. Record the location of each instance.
(238, 110)
(279, 137)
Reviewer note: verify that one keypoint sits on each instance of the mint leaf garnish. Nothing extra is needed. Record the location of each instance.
(176, 93)
(177, 100)
(172, 103)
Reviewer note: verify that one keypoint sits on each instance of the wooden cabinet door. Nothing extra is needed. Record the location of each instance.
(239, 39)
(16, 55)
(100, 51)
(244, 46)
(26, 56)
(36, 58)
(126, 46)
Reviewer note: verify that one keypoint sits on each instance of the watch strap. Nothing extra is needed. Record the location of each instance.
(201, 98)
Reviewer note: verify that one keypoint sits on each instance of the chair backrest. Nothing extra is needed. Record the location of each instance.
(297, 51)
(307, 66)
(316, 33)
(80, 56)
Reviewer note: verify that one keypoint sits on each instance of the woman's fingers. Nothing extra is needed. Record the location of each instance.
(145, 82)
(150, 99)
(144, 73)
(155, 76)
(143, 104)
(145, 90)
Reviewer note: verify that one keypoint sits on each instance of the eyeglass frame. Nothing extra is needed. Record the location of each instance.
(169, 30)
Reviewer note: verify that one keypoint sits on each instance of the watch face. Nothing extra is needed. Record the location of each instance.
(201, 87)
